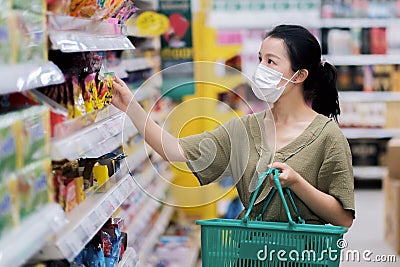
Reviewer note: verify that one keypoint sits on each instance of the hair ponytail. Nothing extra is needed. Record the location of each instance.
(325, 99)
(304, 52)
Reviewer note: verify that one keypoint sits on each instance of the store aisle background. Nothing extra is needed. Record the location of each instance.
(368, 230)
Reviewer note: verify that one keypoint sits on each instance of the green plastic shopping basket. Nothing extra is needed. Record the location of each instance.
(245, 243)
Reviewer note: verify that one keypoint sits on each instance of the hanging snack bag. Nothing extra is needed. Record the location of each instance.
(109, 82)
(79, 103)
(90, 93)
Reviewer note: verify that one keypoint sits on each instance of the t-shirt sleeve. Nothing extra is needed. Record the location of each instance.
(337, 172)
(208, 154)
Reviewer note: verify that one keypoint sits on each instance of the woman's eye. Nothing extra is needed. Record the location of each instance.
(269, 61)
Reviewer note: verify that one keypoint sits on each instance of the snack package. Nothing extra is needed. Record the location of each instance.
(29, 38)
(33, 186)
(79, 103)
(70, 195)
(90, 92)
(37, 6)
(6, 48)
(100, 174)
(35, 134)
(109, 82)
(8, 205)
(10, 156)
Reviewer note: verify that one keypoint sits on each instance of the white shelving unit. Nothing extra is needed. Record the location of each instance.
(354, 96)
(72, 34)
(354, 60)
(369, 172)
(21, 243)
(130, 258)
(29, 75)
(373, 133)
(256, 19)
(92, 141)
(159, 228)
(87, 219)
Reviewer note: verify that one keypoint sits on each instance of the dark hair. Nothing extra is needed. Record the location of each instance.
(305, 53)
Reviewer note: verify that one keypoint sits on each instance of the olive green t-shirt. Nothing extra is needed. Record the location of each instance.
(238, 149)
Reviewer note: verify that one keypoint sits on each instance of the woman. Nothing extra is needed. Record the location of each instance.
(311, 152)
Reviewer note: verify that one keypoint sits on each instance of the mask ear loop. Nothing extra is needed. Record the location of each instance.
(289, 80)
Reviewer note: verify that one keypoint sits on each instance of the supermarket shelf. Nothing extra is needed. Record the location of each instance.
(72, 34)
(93, 141)
(29, 75)
(140, 63)
(374, 133)
(369, 172)
(18, 245)
(346, 60)
(159, 228)
(354, 96)
(254, 20)
(136, 159)
(130, 258)
(88, 218)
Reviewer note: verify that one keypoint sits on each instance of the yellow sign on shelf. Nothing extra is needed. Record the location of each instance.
(151, 23)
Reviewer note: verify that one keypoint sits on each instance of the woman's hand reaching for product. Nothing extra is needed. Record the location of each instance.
(287, 176)
(122, 96)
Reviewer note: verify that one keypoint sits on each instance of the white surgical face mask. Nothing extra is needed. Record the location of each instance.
(266, 82)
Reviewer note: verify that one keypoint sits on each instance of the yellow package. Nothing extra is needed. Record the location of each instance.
(90, 93)
(80, 193)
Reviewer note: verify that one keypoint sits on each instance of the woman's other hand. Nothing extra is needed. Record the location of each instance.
(287, 176)
(122, 95)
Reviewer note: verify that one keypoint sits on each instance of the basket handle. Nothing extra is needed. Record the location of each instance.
(278, 188)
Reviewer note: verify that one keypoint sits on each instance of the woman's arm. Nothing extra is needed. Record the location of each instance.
(166, 145)
(324, 205)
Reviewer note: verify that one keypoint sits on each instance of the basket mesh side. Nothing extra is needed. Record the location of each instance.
(245, 247)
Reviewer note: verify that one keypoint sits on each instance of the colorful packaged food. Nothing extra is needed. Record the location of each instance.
(109, 82)
(8, 206)
(90, 92)
(10, 156)
(78, 102)
(6, 48)
(35, 134)
(33, 186)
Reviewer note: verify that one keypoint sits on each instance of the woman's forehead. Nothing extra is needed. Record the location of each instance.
(274, 47)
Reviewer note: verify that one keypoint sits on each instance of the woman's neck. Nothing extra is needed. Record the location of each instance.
(292, 109)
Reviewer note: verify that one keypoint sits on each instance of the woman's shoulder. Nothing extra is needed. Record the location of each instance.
(331, 128)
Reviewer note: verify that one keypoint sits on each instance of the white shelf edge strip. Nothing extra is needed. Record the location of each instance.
(94, 140)
(69, 42)
(355, 133)
(362, 59)
(29, 75)
(354, 96)
(87, 219)
(130, 258)
(369, 172)
(24, 241)
(254, 20)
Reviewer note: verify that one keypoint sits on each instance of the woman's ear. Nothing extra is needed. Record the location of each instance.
(301, 76)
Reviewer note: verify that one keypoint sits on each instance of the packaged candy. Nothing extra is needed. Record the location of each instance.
(109, 82)
(8, 205)
(90, 93)
(79, 103)
(10, 144)
(35, 134)
(33, 185)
